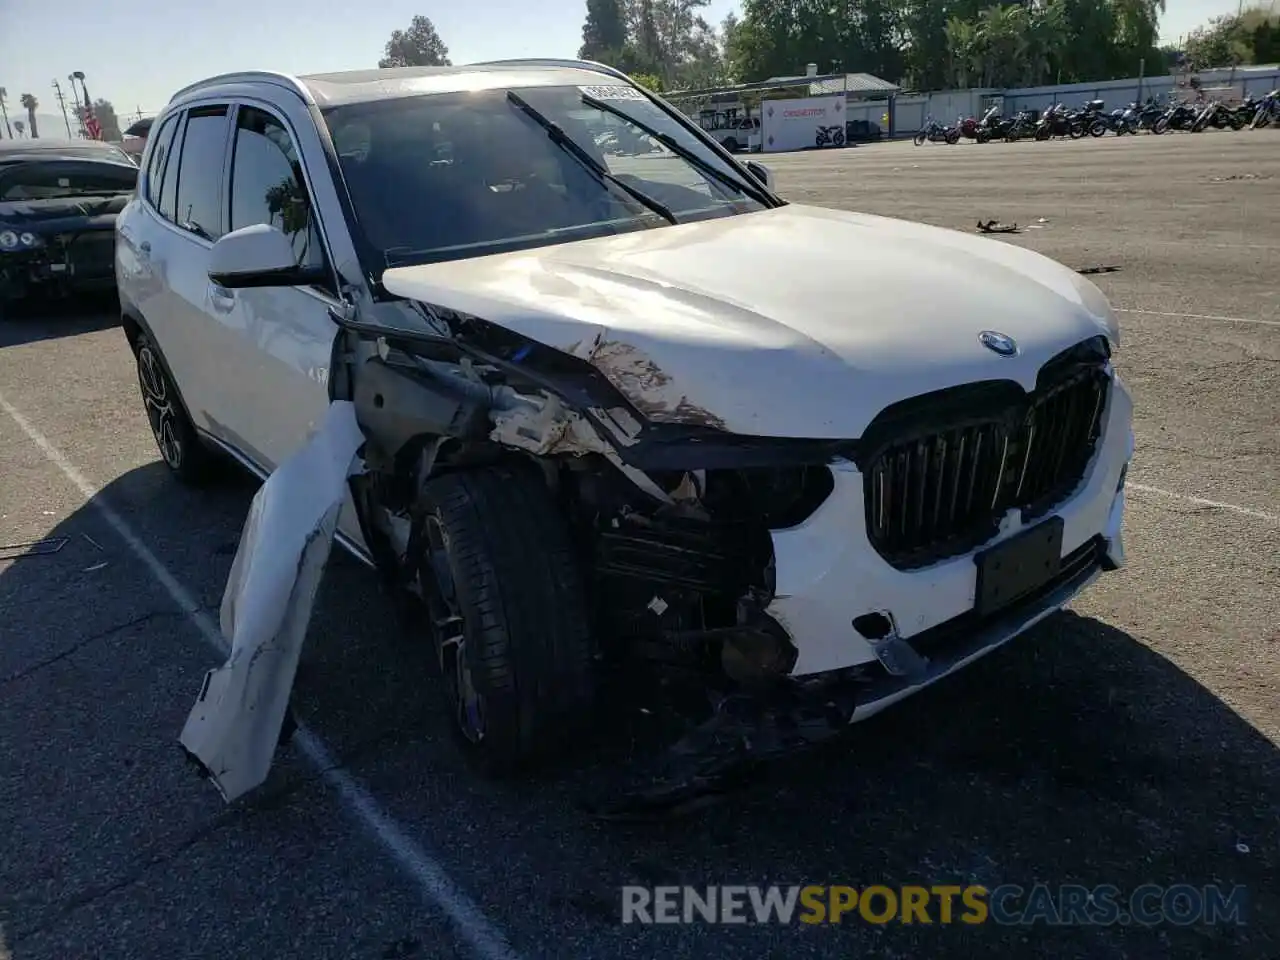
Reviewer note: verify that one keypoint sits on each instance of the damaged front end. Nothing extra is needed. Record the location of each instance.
(669, 516)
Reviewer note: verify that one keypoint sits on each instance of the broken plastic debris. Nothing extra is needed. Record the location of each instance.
(995, 226)
(34, 548)
(236, 723)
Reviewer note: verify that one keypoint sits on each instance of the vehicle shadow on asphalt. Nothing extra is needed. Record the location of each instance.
(26, 324)
(1075, 755)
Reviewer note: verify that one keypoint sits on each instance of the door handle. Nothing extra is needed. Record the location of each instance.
(223, 300)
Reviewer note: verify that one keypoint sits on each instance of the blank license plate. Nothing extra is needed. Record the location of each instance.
(1018, 566)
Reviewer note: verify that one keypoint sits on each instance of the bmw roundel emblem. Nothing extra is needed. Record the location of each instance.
(999, 343)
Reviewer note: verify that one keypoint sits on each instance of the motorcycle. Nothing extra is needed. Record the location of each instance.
(1178, 116)
(1215, 114)
(1020, 126)
(1267, 111)
(1124, 120)
(1058, 122)
(934, 132)
(996, 126)
(833, 136)
(1093, 118)
(972, 129)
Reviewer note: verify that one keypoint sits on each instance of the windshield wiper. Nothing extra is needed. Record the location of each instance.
(590, 163)
(192, 227)
(681, 151)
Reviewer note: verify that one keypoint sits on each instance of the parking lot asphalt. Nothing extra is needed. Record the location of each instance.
(1130, 740)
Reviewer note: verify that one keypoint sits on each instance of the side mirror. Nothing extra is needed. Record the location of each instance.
(761, 173)
(258, 256)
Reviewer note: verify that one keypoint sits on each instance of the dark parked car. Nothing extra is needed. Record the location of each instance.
(861, 131)
(57, 223)
(11, 151)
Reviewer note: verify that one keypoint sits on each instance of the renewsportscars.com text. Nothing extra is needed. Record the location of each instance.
(1007, 904)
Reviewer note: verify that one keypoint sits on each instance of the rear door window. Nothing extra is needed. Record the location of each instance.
(200, 173)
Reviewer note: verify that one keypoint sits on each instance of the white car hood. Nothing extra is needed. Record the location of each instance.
(794, 322)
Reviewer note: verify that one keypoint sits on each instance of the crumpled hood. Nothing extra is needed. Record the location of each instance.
(794, 322)
(55, 213)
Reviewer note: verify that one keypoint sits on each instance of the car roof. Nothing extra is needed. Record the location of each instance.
(360, 86)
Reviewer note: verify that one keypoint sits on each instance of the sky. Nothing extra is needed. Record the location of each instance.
(137, 53)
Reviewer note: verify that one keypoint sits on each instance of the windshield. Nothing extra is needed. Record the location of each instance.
(447, 176)
(52, 181)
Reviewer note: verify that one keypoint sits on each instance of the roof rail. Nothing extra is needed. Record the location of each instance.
(240, 76)
(556, 62)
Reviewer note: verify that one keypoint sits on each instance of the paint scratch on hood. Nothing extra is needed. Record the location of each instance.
(644, 383)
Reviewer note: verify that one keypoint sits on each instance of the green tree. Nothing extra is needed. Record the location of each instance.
(419, 46)
(1251, 37)
(29, 103)
(604, 32)
(107, 119)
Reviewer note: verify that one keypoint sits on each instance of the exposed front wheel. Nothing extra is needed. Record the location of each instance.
(180, 446)
(1097, 128)
(953, 136)
(920, 138)
(492, 560)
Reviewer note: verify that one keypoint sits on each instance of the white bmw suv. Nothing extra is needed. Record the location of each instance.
(629, 413)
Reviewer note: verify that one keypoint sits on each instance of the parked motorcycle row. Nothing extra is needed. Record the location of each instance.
(1092, 119)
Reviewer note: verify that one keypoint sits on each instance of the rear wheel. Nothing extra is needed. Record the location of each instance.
(838, 138)
(1160, 126)
(494, 564)
(1097, 128)
(1076, 130)
(180, 445)
(953, 136)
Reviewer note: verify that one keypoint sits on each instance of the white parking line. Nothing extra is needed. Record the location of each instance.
(1201, 502)
(433, 882)
(1200, 316)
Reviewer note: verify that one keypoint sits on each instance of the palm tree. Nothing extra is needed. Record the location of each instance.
(29, 103)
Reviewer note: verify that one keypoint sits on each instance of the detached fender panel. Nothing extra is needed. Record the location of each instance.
(234, 727)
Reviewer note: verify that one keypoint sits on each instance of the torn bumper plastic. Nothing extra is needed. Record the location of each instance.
(235, 725)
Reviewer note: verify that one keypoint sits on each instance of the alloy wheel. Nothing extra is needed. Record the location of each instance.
(156, 395)
(439, 592)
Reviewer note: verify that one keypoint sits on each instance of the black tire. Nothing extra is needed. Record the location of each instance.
(1076, 130)
(983, 136)
(731, 144)
(1160, 126)
(953, 137)
(518, 667)
(180, 446)
(1097, 128)
(838, 138)
(920, 139)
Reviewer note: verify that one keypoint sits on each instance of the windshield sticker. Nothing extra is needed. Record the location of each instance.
(614, 92)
